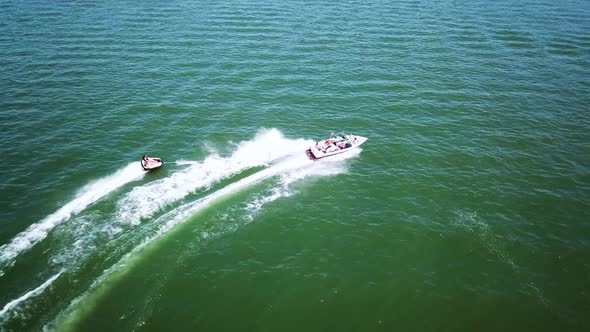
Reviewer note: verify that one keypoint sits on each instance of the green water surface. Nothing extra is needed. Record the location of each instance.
(467, 209)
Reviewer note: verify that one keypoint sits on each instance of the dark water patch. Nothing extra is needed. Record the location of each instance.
(521, 45)
(512, 36)
(563, 49)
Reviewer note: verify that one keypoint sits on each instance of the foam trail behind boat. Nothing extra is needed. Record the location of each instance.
(89, 194)
(267, 147)
(294, 168)
(286, 179)
(35, 292)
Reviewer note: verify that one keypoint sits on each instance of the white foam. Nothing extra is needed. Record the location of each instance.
(35, 292)
(268, 146)
(86, 196)
(84, 238)
(69, 316)
(291, 169)
(294, 168)
(258, 202)
(283, 189)
(183, 162)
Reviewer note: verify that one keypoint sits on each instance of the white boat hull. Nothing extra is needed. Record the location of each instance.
(325, 149)
(152, 164)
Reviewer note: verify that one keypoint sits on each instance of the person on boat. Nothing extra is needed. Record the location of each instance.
(147, 160)
(331, 148)
(327, 144)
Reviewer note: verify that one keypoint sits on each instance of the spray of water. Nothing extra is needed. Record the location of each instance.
(85, 197)
(290, 169)
(35, 292)
(267, 147)
(95, 231)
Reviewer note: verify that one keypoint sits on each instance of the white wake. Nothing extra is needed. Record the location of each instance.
(291, 169)
(35, 292)
(267, 147)
(86, 196)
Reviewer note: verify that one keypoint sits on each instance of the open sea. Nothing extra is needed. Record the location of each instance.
(467, 209)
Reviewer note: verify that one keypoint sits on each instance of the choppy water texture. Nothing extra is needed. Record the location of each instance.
(467, 208)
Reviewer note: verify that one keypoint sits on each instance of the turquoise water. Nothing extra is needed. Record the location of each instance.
(467, 208)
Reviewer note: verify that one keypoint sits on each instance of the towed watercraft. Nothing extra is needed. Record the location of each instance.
(336, 144)
(149, 164)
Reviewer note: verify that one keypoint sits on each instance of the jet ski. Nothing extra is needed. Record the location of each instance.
(149, 164)
(336, 144)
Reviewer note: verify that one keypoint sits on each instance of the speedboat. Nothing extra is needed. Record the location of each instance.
(337, 143)
(149, 164)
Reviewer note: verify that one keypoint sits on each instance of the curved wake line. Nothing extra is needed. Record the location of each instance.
(68, 320)
(296, 163)
(35, 292)
(89, 194)
(266, 147)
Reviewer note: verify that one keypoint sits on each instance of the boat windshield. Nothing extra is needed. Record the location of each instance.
(338, 135)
